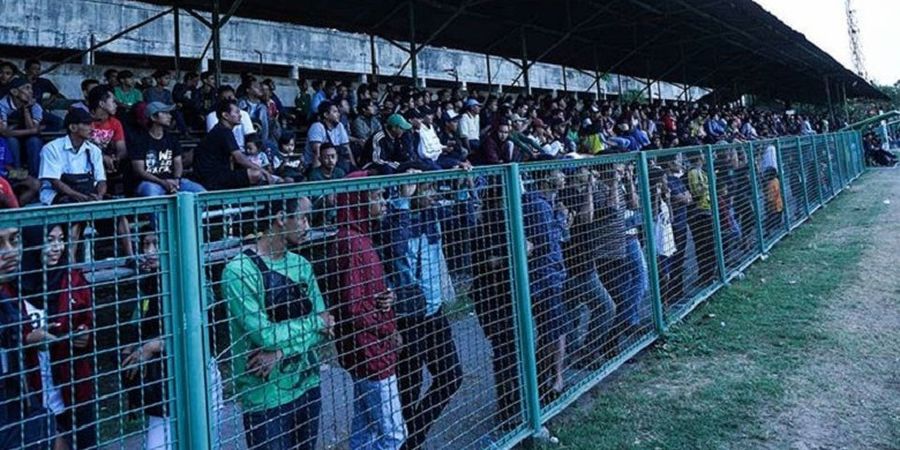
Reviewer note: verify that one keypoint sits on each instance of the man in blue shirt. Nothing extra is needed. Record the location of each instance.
(20, 124)
(328, 129)
(680, 200)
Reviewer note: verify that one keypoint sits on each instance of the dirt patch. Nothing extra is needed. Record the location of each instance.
(847, 396)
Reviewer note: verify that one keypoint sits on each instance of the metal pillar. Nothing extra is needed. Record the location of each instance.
(653, 269)
(830, 107)
(413, 50)
(525, 65)
(373, 59)
(176, 16)
(565, 82)
(490, 80)
(216, 42)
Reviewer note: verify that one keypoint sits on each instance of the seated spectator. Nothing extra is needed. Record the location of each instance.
(367, 339)
(219, 162)
(22, 424)
(365, 124)
(86, 87)
(287, 161)
(71, 168)
(278, 321)
(40, 87)
(327, 169)
(20, 125)
(470, 126)
(189, 100)
(127, 94)
(111, 78)
(156, 157)
(8, 72)
(497, 148)
(108, 134)
(453, 153)
(226, 93)
(59, 303)
(388, 148)
(254, 152)
(253, 103)
(16, 186)
(158, 92)
(208, 93)
(329, 129)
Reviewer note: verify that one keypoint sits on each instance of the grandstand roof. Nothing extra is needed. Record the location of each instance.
(708, 43)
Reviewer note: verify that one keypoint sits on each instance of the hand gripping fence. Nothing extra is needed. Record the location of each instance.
(458, 309)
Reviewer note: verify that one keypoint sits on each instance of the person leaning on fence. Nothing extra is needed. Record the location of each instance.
(219, 162)
(278, 319)
(24, 421)
(680, 198)
(547, 272)
(420, 280)
(367, 336)
(58, 334)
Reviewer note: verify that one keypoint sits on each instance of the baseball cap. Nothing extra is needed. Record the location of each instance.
(470, 102)
(396, 120)
(78, 115)
(158, 107)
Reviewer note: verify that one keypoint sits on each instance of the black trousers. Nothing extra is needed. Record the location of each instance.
(675, 290)
(427, 343)
(704, 242)
(494, 308)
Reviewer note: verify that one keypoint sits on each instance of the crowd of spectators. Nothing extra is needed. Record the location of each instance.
(383, 285)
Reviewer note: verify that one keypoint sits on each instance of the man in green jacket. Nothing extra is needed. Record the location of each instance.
(278, 319)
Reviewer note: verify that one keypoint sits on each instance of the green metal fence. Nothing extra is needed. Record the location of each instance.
(515, 290)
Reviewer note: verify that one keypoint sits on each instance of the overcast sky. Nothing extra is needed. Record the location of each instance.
(824, 23)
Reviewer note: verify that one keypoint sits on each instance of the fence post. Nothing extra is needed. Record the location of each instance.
(525, 321)
(830, 159)
(818, 179)
(860, 152)
(652, 260)
(784, 200)
(196, 422)
(170, 246)
(754, 189)
(714, 205)
(803, 181)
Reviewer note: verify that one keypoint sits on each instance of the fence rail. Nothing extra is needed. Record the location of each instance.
(445, 309)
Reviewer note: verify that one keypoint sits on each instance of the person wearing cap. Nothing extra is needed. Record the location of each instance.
(388, 148)
(159, 93)
(71, 168)
(470, 126)
(454, 153)
(156, 157)
(328, 129)
(20, 124)
(126, 94)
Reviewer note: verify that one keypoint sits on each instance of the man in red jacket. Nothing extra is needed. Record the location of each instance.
(367, 337)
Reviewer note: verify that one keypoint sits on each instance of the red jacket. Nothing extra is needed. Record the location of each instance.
(73, 309)
(364, 332)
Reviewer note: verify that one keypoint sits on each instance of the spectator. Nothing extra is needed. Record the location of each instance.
(71, 168)
(125, 91)
(111, 78)
(16, 186)
(253, 103)
(388, 148)
(680, 200)
(318, 97)
(366, 123)
(288, 163)
(86, 87)
(367, 337)
(208, 92)
(23, 424)
(303, 102)
(107, 132)
(497, 148)
(470, 126)
(20, 124)
(220, 164)
(226, 93)
(158, 92)
(700, 220)
(278, 321)
(41, 86)
(59, 303)
(774, 204)
(189, 100)
(156, 157)
(328, 129)
(328, 169)
(8, 72)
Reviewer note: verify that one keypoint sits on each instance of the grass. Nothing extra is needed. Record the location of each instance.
(707, 383)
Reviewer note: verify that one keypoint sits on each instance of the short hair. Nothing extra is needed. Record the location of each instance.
(98, 94)
(272, 208)
(124, 75)
(108, 73)
(285, 137)
(88, 82)
(363, 104)
(10, 65)
(326, 146)
(324, 106)
(30, 62)
(190, 76)
(224, 106)
(159, 73)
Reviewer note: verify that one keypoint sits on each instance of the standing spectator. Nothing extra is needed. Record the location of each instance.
(23, 424)
(421, 283)
(681, 199)
(367, 337)
(58, 303)
(158, 92)
(700, 220)
(71, 169)
(20, 124)
(41, 86)
(278, 320)
(127, 94)
(156, 157)
(329, 129)
(470, 126)
(8, 72)
(220, 164)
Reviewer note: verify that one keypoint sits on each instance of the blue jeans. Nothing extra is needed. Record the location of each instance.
(377, 415)
(293, 425)
(33, 146)
(587, 289)
(151, 189)
(639, 282)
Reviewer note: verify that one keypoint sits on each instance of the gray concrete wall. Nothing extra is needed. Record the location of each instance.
(69, 24)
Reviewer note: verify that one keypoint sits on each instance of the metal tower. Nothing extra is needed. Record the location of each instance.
(859, 62)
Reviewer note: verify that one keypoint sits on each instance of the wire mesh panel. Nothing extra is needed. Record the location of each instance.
(371, 312)
(771, 193)
(588, 270)
(826, 177)
(88, 346)
(795, 192)
(810, 171)
(737, 205)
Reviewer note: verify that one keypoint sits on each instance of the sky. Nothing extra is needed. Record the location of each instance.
(824, 23)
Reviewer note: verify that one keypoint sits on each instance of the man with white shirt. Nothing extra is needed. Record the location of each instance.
(470, 126)
(72, 166)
